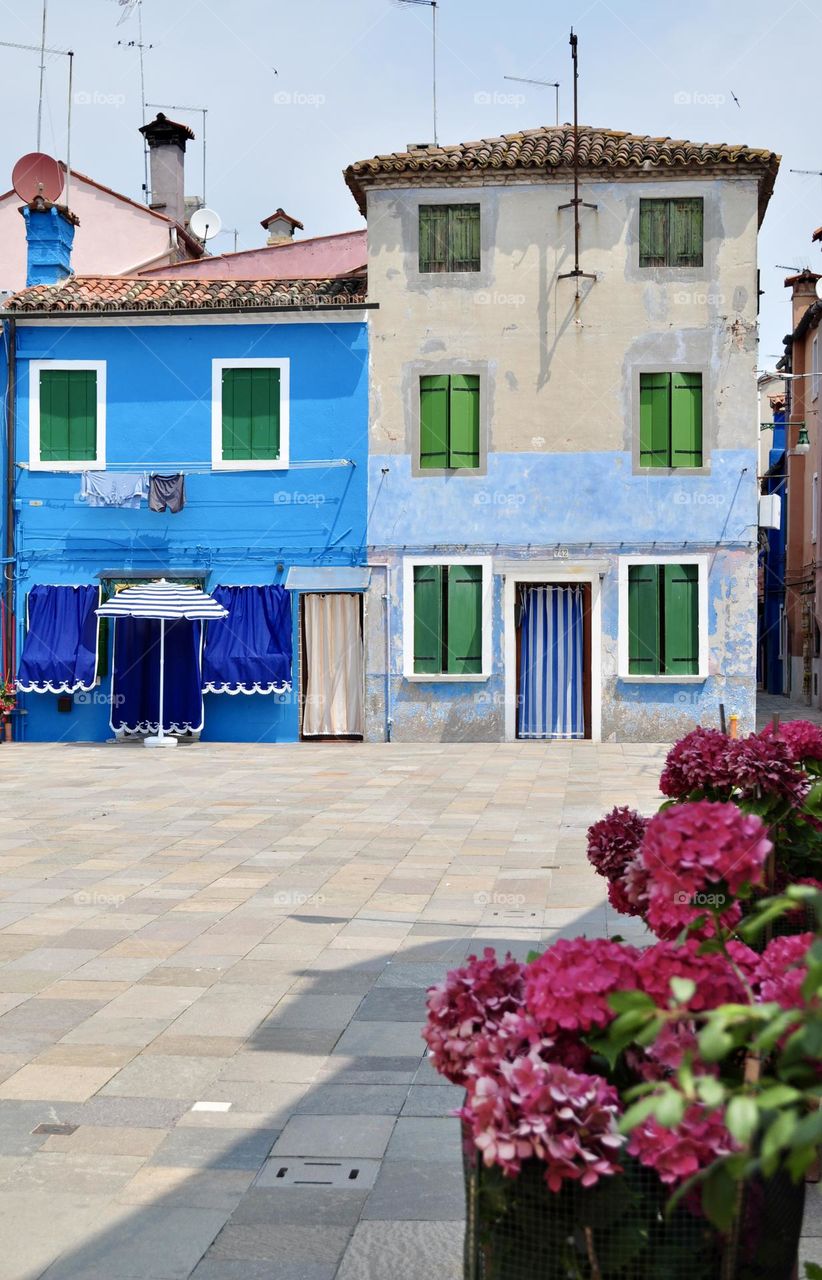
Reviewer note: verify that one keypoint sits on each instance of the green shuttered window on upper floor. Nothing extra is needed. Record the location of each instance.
(447, 619)
(68, 415)
(250, 414)
(663, 619)
(670, 419)
(449, 237)
(671, 232)
(449, 421)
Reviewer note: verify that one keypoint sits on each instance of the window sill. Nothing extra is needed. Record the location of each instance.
(474, 678)
(626, 679)
(69, 468)
(249, 464)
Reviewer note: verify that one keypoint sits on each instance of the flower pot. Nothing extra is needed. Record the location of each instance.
(517, 1229)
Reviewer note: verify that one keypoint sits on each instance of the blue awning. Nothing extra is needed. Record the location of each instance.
(250, 651)
(343, 578)
(60, 647)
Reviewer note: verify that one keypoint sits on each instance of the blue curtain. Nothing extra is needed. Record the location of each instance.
(551, 703)
(250, 650)
(135, 681)
(60, 648)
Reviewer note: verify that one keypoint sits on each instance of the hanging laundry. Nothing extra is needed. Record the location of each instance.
(167, 491)
(114, 489)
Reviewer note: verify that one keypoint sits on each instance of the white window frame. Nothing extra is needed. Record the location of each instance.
(218, 462)
(623, 672)
(421, 677)
(815, 367)
(98, 463)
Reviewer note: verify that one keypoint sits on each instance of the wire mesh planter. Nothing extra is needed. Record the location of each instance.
(517, 1229)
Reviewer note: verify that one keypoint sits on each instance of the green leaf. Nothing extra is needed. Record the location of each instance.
(637, 1114)
(628, 1001)
(742, 1118)
(813, 1271)
(719, 1198)
(532, 956)
(777, 1095)
(714, 1042)
(779, 1134)
(710, 1091)
(670, 1107)
(808, 1131)
(683, 988)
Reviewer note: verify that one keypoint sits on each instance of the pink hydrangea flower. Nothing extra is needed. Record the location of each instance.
(699, 762)
(614, 840)
(470, 1009)
(689, 849)
(715, 981)
(802, 737)
(767, 766)
(678, 1153)
(782, 971)
(568, 985)
(538, 1110)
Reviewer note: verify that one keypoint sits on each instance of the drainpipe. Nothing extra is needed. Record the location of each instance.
(9, 566)
(389, 722)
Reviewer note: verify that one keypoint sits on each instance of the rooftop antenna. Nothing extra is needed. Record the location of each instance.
(813, 173)
(576, 204)
(547, 84)
(205, 224)
(171, 106)
(128, 7)
(432, 5)
(43, 49)
(42, 76)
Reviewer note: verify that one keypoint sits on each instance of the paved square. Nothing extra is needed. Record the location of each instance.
(253, 929)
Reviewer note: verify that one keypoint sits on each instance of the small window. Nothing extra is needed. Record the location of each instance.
(449, 421)
(449, 237)
(663, 619)
(447, 619)
(670, 419)
(671, 233)
(67, 412)
(250, 414)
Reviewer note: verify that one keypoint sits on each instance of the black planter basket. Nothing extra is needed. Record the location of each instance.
(516, 1229)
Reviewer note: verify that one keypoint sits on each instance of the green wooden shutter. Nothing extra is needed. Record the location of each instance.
(433, 237)
(265, 414)
(434, 421)
(653, 233)
(464, 237)
(686, 420)
(686, 233)
(428, 619)
(236, 414)
(681, 619)
(68, 415)
(464, 633)
(463, 439)
(654, 419)
(643, 620)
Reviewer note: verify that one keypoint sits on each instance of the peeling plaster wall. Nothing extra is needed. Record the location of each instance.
(560, 473)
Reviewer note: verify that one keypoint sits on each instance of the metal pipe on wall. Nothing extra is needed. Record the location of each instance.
(9, 567)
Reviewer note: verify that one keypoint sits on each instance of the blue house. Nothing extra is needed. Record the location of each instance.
(206, 432)
(773, 561)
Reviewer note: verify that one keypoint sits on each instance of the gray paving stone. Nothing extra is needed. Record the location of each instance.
(404, 1251)
(306, 1205)
(311, 1011)
(381, 1039)
(413, 974)
(215, 1148)
(349, 1135)
(353, 1099)
(141, 1113)
(393, 1004)
(426, 1138)
(152, 1244)
(222, 1269)
(433, 1100)
(418, 1191)
(298, 1243)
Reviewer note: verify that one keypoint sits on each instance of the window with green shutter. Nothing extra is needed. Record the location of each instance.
(449, 237)
(447, 619)
(449, 421)
(670, 419)
(663, 619)
(671, 232)
(251, 414)
(68, 415)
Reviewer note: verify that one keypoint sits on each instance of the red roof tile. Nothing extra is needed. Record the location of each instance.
(101, 294)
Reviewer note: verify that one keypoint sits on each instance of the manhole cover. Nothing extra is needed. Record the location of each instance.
(290, 1172)
(61, 1130)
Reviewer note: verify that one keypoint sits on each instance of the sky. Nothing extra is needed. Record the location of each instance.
(298, 89)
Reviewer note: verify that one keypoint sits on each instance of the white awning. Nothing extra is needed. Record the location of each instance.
(342, 578)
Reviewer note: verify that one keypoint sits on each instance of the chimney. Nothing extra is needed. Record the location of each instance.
(49, 237)
(167, 144)
(803, 293)
(280, 227)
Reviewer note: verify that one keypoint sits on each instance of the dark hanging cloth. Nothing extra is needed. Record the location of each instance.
(135, 681)
(250, 650)
(167, 491)
(60, 648)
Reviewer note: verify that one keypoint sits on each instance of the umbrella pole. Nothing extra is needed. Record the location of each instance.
(160, 739)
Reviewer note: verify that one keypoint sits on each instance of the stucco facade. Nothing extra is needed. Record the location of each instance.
(560, 495)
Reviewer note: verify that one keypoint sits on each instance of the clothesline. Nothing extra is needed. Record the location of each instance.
(207, 468)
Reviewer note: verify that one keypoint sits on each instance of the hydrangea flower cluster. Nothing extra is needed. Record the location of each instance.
(700, 763)
(707, 764)
(470, 1009)
(681, 1151)
(535, 1109)
(802, 737)
(568, 986)
(767, 766)
(614, 841)
(782, 971)
(715, 981)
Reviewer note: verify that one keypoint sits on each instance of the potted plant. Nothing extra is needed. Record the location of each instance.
(644, 1114)
(8, 701)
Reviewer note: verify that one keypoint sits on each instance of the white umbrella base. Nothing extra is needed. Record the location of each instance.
(155, 741)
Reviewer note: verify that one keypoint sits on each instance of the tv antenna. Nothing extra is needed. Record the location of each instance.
(813, 173)
(432, 5)
(576, 204)
(205, 224)
(546, 84)
(128, 8)
(203, 111)
(42, 48)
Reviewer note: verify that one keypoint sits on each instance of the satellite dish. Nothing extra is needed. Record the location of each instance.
(819, 288)
(37, 175)
(205, 223)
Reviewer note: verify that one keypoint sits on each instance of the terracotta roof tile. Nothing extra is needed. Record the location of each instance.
(130, 293)
(550, 148)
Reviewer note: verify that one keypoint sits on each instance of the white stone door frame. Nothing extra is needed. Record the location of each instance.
(560, 573)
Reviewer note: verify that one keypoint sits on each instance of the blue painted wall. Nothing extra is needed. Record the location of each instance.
(236, 527)
(774, 563)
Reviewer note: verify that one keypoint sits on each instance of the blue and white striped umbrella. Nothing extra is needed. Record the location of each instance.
(162, 599)
(170, 602)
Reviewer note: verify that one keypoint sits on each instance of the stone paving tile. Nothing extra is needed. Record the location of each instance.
(298, 1242)
(349, 1135)
(404, 1251)
(430, 1138)
(196, 1188)
(407, 1189)
(393, 1004)
(215, 1148)
(154, 1244)
(353, 1099)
